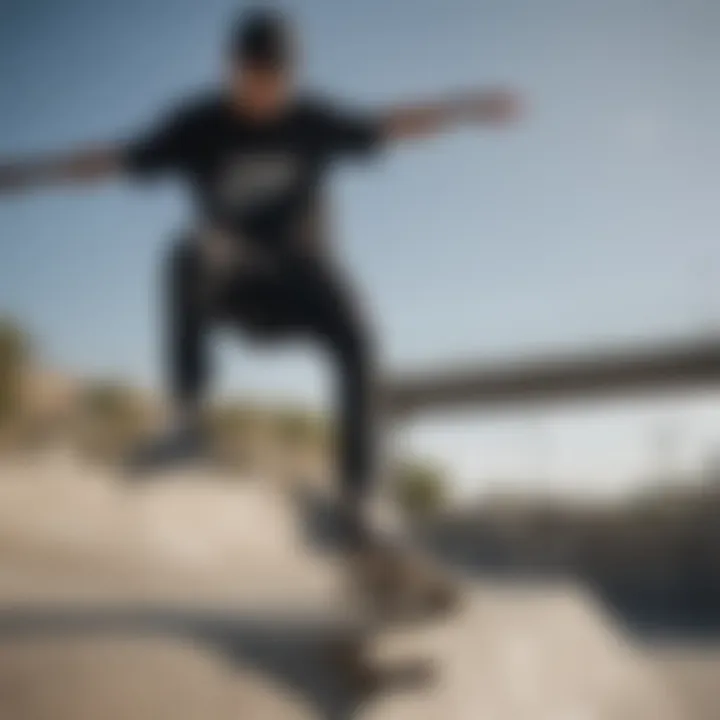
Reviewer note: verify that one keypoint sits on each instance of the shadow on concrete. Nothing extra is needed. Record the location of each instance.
(679, 606)
(295, 651)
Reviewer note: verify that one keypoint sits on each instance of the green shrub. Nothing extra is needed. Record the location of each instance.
(420, 488)
(14, 354)
(110, 418)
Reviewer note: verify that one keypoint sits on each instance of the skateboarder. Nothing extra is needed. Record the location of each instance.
(256, 153)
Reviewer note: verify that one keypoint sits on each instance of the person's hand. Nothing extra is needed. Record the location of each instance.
(89, 164)
(224, 253)
(220, 252)
(497, 106)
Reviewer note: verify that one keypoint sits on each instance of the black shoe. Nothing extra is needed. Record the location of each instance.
(334, 524)
(177, 449)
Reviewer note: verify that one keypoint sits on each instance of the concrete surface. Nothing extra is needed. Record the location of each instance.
(197, 598)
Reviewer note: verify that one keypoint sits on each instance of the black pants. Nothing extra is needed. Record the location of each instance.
(296, 296)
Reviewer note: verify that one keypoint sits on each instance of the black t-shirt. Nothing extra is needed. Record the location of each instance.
(259, 180)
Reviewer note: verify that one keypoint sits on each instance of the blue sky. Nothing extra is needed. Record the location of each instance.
(593, 221)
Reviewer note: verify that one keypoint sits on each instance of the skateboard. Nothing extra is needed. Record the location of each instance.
(395, 580)
(389, 586)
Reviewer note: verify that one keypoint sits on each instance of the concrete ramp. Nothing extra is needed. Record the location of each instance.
(528, 653)
(511, 654)
(200, 600)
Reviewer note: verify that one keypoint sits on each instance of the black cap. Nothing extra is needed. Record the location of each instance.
(262, 37)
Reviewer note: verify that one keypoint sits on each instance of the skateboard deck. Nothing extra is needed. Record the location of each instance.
(392, 577)
(391, 586)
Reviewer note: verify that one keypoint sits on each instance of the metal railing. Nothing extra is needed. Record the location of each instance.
(622, 371)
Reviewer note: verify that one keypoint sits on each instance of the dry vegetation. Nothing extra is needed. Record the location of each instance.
(103, 419)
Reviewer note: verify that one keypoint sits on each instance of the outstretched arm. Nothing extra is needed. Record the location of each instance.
(90, 164)
(490, 107)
